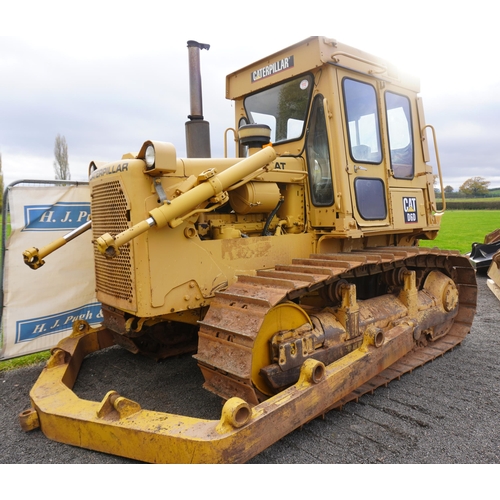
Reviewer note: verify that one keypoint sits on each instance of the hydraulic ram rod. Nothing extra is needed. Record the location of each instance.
(213, 185)
(33, 257)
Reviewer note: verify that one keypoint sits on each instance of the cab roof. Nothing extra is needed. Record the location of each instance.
(307, 55)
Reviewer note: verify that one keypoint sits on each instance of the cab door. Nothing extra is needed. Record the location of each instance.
(363, 141)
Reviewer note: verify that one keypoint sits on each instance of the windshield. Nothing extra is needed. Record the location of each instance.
(283, 108)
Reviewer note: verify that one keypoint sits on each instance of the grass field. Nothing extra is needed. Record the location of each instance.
(461, 228)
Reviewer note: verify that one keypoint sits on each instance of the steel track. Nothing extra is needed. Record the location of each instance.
(229, 330)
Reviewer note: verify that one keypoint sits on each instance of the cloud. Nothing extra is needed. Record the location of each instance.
(105, 98)
(468, 132)
(104, 107)
(107, 95)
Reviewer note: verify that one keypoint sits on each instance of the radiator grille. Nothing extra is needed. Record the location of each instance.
(109, 215)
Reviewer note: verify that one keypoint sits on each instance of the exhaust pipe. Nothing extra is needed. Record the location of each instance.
(197, 129)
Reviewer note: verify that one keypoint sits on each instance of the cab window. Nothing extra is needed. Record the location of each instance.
(400, 135)
(318, 156)
(360, 101)
(370, 198)
(282, 107)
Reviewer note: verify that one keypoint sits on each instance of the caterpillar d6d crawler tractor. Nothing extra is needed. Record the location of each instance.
(294, 268)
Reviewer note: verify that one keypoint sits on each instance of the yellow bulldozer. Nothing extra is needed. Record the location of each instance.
(292, 270)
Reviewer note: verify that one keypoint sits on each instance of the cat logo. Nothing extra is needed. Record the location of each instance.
(272, 69)
(410, 210)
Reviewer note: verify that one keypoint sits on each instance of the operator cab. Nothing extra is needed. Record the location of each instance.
(353, 121)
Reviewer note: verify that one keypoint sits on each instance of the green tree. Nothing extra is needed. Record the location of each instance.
(61, 164)
(475, 187)
(448, 189)
(1, 184)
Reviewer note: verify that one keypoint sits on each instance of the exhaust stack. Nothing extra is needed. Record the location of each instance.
(197, 129)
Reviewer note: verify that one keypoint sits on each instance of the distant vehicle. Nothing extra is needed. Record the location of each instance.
(482, 254)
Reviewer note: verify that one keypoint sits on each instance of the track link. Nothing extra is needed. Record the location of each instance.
(228, 332)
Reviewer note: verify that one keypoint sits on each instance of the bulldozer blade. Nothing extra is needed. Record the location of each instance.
(121, 427)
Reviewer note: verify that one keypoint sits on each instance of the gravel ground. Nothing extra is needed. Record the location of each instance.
(444, 412)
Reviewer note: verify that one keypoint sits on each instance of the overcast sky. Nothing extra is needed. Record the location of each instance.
(115, 77)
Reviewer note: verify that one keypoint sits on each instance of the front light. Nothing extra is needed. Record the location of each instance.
(149, 157)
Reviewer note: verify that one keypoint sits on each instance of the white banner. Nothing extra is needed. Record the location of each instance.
(41, 305)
